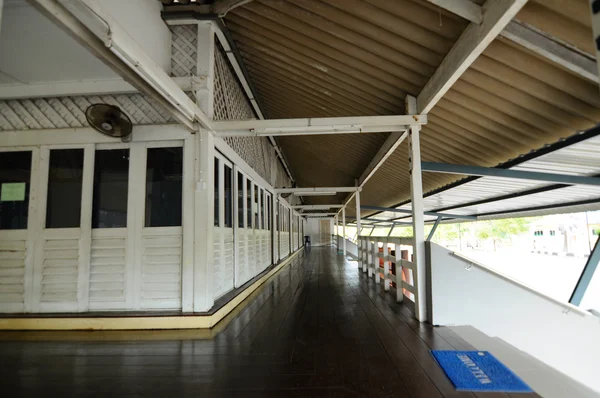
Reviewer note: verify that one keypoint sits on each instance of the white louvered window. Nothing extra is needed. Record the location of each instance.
(15, 179)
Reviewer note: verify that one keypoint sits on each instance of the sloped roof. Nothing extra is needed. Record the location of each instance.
(360, 57)
(322, 58)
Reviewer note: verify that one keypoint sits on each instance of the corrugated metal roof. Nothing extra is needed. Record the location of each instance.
(318, 58)
(479, 197)
(338, 58)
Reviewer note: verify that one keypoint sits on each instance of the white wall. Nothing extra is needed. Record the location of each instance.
(313, 229)
(141, 19)
(33, 49)
(558, 334)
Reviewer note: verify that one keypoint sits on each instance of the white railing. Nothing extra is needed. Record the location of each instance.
(378, 262)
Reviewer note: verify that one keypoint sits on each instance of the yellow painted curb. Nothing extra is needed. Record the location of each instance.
(141, 322)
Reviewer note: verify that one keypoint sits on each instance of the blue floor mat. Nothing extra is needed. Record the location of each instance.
(478, 371)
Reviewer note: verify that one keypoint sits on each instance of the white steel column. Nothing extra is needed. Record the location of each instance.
(416, 197)
(1, 7)
(204, 192)
(205, 68)
(204, 220)
(344, 230)
(274, 229)
(337, 236)
(188, 224)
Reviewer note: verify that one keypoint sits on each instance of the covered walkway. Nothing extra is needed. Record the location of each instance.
(319, 328)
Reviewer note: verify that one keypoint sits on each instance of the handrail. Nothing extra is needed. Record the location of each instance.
(369, 258)
(507, 278)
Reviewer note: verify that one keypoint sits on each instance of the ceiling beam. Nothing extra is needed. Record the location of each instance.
(308, 126)
(427, 213)
(315, 190)
(539, 42)
(474, 40)
(316, 207)
(389, 146)
(552, 50)
(509, 173)
(465, 8)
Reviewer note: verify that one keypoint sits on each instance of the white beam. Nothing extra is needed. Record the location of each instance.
(539, 42)
(312, 215)
(308, 125)
(315, 190)
(86, 87)
(463, 8)
(389, 146)
(316, 207)
(595, 12)
(474, 40)
(552, 50)
(1, 7)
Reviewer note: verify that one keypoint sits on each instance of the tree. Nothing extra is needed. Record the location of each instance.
(499, 230)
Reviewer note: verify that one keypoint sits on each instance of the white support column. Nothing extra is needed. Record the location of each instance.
(274, 229)
(399, 293)
(189, 186)
(203, 272)
(1, 7)
(344, 230)
(416, 197)
(368, 254)
(337, 236)
(85, 227)
(205, 67)
(386, 268)
(357, 198)
(376, 261)
(204, 221)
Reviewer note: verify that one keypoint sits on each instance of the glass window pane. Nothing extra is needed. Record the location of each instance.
(111, 179)
(15, 178)
(240, 202)
(65, 176)
(249, 203)
(228, 180)
(164, 188)
(216, 195)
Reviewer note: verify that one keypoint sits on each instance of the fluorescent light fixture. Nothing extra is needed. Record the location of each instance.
(314, 193)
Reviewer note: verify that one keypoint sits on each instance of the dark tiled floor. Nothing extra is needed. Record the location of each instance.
(319, 329)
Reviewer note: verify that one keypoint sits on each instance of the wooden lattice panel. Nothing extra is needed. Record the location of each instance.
(63, 112)
(184, 50)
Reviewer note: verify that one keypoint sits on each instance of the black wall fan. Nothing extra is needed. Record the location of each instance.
(109, 120)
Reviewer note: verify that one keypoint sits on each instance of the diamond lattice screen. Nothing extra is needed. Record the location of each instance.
(184, 45)
(63, 112)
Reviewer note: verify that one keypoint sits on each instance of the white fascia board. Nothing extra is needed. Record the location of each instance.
(86, 87)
